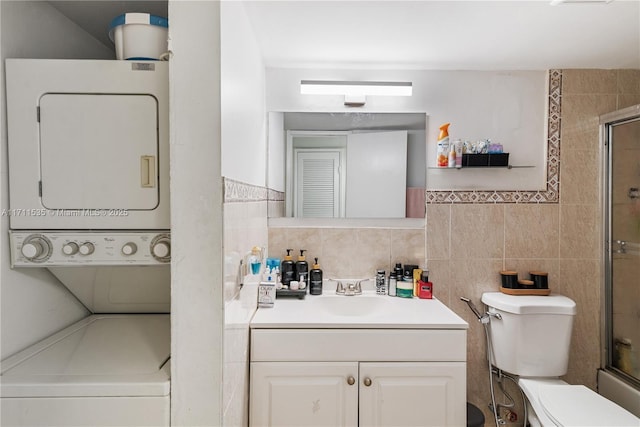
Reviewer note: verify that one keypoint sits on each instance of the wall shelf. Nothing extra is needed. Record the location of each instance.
(481, 167)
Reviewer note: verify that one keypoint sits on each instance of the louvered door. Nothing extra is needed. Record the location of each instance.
(317, 184)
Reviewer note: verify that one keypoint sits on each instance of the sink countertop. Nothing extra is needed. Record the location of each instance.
(370, 311)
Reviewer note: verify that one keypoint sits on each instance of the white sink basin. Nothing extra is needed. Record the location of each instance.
(356, 305)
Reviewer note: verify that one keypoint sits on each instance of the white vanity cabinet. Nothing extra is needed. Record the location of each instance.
(358, 377)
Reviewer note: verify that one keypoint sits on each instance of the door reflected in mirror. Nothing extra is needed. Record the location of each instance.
(347, 165)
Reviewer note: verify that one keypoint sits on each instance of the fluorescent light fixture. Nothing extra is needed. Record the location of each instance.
(557, 2)
(354, 88)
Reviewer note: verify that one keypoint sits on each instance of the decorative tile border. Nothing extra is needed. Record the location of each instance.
(552, 192)
(236, 191)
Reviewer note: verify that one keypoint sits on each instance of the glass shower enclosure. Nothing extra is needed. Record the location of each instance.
(620, 132)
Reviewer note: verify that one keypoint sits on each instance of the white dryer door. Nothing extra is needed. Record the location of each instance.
(99, 151)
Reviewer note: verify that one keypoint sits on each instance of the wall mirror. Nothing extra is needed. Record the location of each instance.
(347, 165)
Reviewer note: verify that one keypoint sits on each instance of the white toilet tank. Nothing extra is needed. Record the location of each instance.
(533, 336)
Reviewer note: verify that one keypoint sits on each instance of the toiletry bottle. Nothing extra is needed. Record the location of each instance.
(392, 284)
(404, 288)
(302, 267)
(458, 147)
(255, 260)
(451, 160)
(381, 288)
(417, 272)
(267, 292)
(442, 159)
(288, 269)
(315, 279)
(398, 270)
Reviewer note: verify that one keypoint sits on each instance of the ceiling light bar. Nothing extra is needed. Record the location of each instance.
(355, 88)
(557, 2)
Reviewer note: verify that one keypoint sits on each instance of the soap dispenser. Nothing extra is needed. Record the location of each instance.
(315, 279)
(302, 267)
(288, 269)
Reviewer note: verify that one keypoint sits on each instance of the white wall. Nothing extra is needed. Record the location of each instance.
(34, 304)
(196, 214)
(243, 96)
(244, 150)
(276, 157)
(507, 107)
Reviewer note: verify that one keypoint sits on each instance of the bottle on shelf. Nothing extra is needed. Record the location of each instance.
(288, 269)
(302, 267)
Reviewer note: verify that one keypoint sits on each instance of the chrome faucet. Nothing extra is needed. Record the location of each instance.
(350, 290)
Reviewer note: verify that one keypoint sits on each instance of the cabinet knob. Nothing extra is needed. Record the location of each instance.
(351, 380)
(367, 382)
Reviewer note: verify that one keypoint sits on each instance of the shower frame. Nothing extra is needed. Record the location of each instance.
(607, 124)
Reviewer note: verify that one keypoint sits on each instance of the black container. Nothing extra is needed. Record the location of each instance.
(315, 279)
(509, 279)
(302, 268)
(288, 269)
(540, 279)
(399, 271)
(410, 268)
(485, 160)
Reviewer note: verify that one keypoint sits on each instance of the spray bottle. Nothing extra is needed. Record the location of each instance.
(443, 147)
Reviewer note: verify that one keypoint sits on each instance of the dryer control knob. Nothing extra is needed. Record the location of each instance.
(70, 248)
(161, 249)
(87, 248)
(129, 248)
(36, 248)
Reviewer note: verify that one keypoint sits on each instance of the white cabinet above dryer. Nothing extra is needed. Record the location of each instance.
(88, 138)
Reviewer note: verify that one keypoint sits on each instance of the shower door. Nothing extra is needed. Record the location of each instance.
(621, 136)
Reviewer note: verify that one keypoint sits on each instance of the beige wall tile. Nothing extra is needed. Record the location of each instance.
(625, 101)
(580, 119)
(440, 276)
(438, 231)
(471, 278)
(579, 231)
(407, 247)
(629, 81)
(579, 176)
(344, 255)
(589, 81)
(281, 239)
(373, 252)
(580, 281)
(531, 231)
(477, 231)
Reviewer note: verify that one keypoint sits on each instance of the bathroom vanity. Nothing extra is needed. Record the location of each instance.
(360, 360)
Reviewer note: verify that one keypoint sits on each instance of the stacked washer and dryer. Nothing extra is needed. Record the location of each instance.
(89, 200)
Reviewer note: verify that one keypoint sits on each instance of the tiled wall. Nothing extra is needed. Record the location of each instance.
(245, 226)
(467, 244)
(351, 253)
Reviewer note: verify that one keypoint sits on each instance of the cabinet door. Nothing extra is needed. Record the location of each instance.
(413, 394)
(304, 394)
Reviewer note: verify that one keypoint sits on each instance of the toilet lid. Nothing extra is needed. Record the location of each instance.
(576, 405)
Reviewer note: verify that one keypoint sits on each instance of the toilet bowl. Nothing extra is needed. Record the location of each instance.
(530, 338)
(553, 402)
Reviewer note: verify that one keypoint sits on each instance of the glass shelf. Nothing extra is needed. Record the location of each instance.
(480, 167)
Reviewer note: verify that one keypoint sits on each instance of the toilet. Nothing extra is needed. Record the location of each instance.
(530, 338)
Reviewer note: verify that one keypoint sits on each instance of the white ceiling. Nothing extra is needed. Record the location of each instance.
(421, 34)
